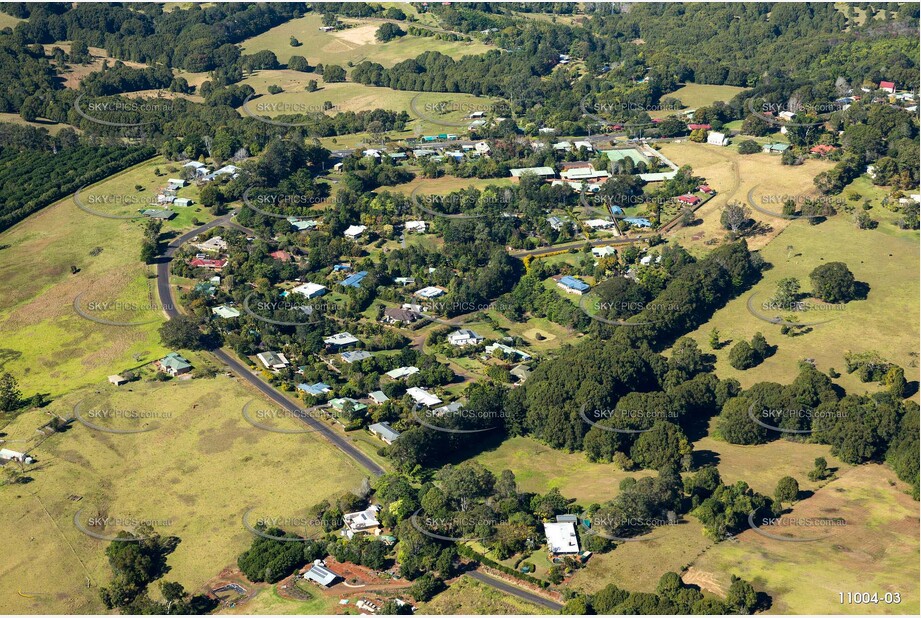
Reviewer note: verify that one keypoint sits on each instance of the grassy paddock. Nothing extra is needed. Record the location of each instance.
(876, 551)
(887, 321)
(470, 597)
(353, 44)
(200, 470)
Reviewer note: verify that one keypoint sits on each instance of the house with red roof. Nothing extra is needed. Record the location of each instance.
(887, 87)
(706, 189)
(690, 200)
(695, 126)
(822, 149)
(208, 263)
(281, 256)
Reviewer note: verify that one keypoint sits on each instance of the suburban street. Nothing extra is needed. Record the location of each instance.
(166, 301)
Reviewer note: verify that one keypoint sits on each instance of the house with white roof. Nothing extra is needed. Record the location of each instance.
(340, 340)
(423, 397)
(482, 148)
(362, 521)
(464, 336)
(273, 360)
(354, 231)
(717, 139)
(602, 252)
(561, 538)
(430, 292)
(417, 227)
(401, 372)
(310, 290)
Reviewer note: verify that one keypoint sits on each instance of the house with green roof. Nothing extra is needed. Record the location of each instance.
(173, 364)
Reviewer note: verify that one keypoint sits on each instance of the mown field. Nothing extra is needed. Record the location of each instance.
(540, 468)
(46, 345)
(887, 321)
(196, 473)
(353, 44)
(876, 551)
(700, 95)
(469, 597)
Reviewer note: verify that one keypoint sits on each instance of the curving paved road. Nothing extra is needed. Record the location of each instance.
(521, 593)
(165, 293)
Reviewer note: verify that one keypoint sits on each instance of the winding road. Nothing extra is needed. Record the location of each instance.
(165, 293)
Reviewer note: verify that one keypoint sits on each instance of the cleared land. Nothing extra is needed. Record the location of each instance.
(637, 566)
(876, 551)
(887, 321)
(45, 343)
(700, 95)
(733, 176)
(353, 44)
(540, 468)
(198, 472)
(469, 597)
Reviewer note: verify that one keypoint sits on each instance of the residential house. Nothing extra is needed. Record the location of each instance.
(599, 224)
(430, 292)
(696, 126)
(583, 144)
(887, 87)
(182, 201)
(339, 404)
(572, 285)
(705, 189)
(355, 356)
(378, 397)
(163, 215)
(602, 252)
(393, 315)
(362, 522)
(464, 336)
(423, 397)
(509, 351)
(415, 227)
(690, 200)
(273, 360)
(561, 538)
(225, 311)
(210, 264)
(543, 171)
(482, 148)
(280, 255)
(352, 232)
(173, 364)
(302, 225)
(775, 148)
(822, 150)
(385, 432)
(320, 388)
(340, 340)
(521, 372)
(310, 290)
(401, 372)
(716, 138)
(354, 281)
(638, 221)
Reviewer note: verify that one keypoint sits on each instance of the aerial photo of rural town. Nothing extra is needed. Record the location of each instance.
(459, 308)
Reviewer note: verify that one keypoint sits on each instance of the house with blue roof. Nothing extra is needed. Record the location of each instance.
(572, 285)
(354, 281)
(320, 388)
(639, 222)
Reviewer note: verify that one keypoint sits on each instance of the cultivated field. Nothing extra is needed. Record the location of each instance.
(733, 176)
(469, 597)
(351, 45)
(46, 345)
(887, 321)
(875, 551)
(196, 473)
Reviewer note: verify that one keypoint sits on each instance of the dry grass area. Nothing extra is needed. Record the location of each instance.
(74, 73)
(875, 551)
(469, 597)
(733, 176)
(637, 566)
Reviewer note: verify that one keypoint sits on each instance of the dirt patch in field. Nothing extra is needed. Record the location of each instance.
(361, 35)
(706, 581)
